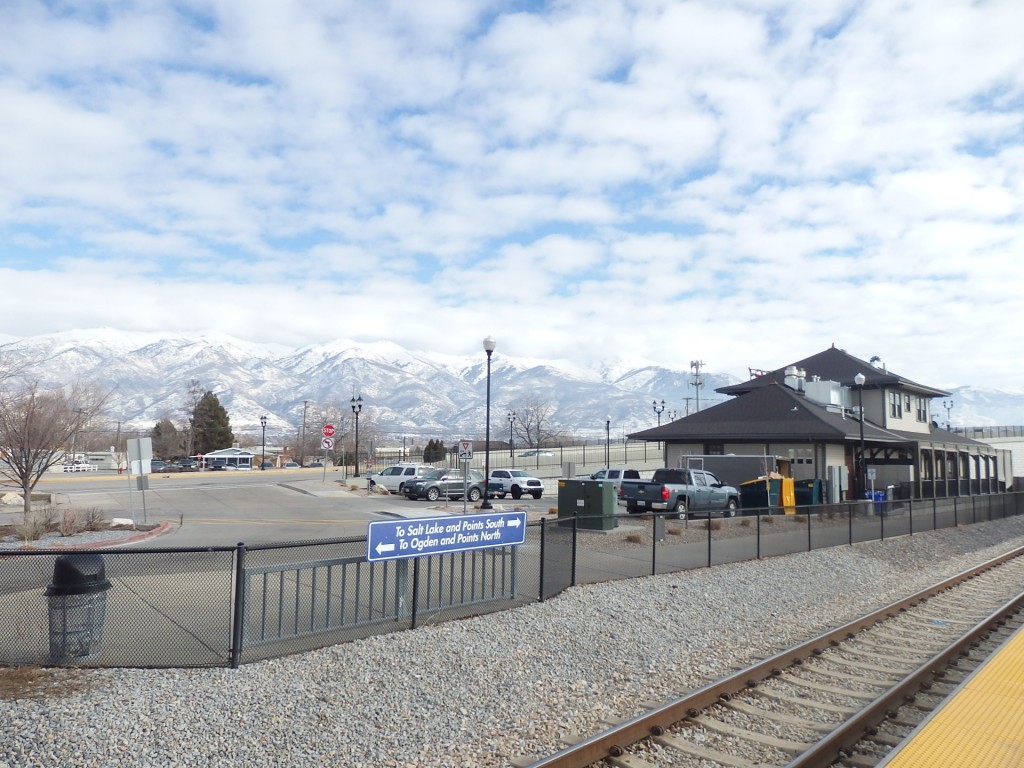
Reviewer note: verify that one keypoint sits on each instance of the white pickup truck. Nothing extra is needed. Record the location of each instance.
(614, 475)
(514, 482)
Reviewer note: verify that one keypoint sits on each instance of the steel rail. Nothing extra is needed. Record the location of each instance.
(614, 741)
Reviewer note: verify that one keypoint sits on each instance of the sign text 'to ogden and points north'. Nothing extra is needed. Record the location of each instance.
(393, 539)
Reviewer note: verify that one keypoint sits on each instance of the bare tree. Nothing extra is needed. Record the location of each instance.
(36, 427)
(533, 425)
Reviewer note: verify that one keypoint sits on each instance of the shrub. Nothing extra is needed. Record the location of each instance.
(746, 522)
(714, 525)
(635, 538)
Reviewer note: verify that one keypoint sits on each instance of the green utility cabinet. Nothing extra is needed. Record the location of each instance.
(594, 502)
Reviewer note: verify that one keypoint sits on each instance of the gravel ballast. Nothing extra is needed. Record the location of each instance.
(482, 691)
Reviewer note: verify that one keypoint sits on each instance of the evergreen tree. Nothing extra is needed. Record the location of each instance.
(210, 425)
(166, 441)
(434, 451)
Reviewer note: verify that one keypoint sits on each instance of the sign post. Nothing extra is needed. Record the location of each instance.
(415, 537)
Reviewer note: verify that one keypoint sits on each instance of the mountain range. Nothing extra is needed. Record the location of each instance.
(420, 394)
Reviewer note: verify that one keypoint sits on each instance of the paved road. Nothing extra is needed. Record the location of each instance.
(224, 508)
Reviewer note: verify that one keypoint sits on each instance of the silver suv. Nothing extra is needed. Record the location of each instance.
(395, 477)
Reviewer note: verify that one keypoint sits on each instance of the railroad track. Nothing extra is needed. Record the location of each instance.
(843, 698)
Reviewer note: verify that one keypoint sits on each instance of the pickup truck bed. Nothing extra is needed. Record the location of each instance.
(694, 492)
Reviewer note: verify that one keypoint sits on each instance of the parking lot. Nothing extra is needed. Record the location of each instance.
(224, 508)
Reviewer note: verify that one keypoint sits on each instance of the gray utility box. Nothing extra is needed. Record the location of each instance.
(77, 600)
(594, 502)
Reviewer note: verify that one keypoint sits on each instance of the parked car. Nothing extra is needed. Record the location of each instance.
(157, 465)
(267, 465)
(186, 464)
(516, 482)
(315, 465)
(446, 482)
(396, 476)
(291, 465)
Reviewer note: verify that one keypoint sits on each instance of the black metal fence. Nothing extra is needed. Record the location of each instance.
(225, 606)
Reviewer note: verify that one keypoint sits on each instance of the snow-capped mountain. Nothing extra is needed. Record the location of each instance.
(403, 392)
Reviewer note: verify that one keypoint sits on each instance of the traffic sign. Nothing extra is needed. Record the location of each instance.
(465, 450)
(327, 443)
(328, 430)
(415, 537)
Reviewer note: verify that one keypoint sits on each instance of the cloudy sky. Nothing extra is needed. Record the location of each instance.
(743, 182)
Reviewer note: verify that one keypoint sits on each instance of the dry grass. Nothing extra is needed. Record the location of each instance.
(714, 525)
(43, 520)
(635, 538)
(40, 683)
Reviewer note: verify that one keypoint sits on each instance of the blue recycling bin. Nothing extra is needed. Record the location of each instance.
(878, 499)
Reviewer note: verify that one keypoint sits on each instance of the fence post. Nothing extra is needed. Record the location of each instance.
(709, 538)
(415, 589)
(758, 534)
(849, 518)
(575, 534)
(543, 539)
(237, 619)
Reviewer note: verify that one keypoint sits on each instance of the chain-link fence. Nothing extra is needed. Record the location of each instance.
(223, 606)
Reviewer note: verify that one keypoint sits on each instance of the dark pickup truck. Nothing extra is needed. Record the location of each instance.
(683, 492)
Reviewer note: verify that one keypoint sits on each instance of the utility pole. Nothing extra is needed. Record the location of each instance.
(687, 401)
(302, 439)
(697, 382)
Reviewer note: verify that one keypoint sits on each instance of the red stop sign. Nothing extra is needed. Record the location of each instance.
(328, 430)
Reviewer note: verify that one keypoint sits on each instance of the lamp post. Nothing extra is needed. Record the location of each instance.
(607, 441)
(511, 421)
(263, 461)
(357, 406)
(949, 407)
(489, 345)
(861, 470)
(659, 409)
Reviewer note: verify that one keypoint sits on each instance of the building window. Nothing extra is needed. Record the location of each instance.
(922, 410)
(895, 405)
(714, 449)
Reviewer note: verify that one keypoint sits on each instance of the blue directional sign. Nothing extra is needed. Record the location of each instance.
(414, 537)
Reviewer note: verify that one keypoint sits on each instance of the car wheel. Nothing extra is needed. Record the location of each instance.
(679, 511)
(730, 508)
(433, 494)
(631, 509)
(502, 495)
(517, 492)
(401, 487)
(536, 495)
(474, 494)
(372, 483)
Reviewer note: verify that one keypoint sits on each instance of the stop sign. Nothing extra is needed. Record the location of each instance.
(328, 430)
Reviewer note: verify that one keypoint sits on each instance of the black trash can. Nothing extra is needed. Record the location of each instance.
(77, 606)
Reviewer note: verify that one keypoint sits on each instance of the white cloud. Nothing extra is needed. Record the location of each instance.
(741, 183)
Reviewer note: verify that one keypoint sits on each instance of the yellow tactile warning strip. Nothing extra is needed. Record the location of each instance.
(982, 726)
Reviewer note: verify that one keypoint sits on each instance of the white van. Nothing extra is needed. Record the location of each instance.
(394, 477)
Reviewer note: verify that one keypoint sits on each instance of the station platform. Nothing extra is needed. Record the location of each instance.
(980, 726)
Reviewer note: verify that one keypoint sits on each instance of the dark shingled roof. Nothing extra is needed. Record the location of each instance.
(770, 412)
(836, 365)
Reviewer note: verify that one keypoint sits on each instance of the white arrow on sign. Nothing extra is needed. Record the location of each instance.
(514, 523)
(382, 547)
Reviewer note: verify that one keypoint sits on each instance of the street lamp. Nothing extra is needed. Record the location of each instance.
(511, 421)
(862, 473)
(607, 441)
(357, 406)
(489, 344)
(949, 407)
(263, 461)
(659, 409)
